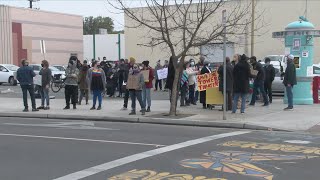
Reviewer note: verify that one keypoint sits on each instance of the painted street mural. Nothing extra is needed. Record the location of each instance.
(153, 175)
(273, 147)
(237, 162)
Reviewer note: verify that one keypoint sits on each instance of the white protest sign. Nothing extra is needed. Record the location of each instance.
(162, 73)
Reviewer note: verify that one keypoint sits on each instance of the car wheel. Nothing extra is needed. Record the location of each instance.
(12, 82)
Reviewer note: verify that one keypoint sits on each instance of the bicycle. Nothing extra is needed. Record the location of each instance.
(57, 83)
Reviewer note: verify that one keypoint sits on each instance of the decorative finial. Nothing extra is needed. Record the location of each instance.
(302, 18)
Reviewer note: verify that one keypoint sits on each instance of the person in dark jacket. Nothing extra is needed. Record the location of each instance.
(229, 87)
(269, 78)
(170, 76)
(125, 79)
(121, 73)
(241, 76)
(146, 91)
(290, 79)
(83, 84)
(97, 82)
(25, 76)
(46, 75)
(203, 94)
(258, 83)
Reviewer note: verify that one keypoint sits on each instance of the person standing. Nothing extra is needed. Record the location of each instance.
(290, 79)
(97, 82)
(191, 82)
(270, 75)
(241, 77)
(71, 82)
(170, 76)
(46, 75)
(229, 80)
(25, 75)
(135, 85)
(146, 92)
(203, 94)
(83, 83)
(184, 101)
(125, 81)
(121, 73)
(158, 81)
(258, 84)
(164, 81)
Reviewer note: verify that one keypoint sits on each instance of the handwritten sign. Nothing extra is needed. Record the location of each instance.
(146, 75)
(208, 80)
(162, 73)
(214, 96)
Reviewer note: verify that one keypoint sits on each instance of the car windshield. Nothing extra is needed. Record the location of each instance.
(12, 67)
(53, 68)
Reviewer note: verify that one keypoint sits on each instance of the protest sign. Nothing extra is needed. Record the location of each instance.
(146, 75)
(208, 80)
(162, 73)
(214, 96)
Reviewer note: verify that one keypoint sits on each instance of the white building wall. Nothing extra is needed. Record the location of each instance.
(106, 46)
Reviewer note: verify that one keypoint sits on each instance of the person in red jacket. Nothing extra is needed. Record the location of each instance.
(146, 92)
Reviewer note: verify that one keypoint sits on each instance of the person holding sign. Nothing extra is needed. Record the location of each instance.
(158, 81)
(148, 78)
(192, 82)
(204, 70)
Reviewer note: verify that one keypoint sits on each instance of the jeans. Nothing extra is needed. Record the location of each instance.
(191, 94)
(25, 89)
(259, 85)
(97, 94)
(44, 93)
(126, 99)
(146, 96)
(184, 91)
(71, 92)
(136, 94)
(268, 89)
(235, 102)
(158, 82)
(84, 92)
(289, 95)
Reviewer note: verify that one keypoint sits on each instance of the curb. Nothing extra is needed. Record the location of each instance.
(146, 120)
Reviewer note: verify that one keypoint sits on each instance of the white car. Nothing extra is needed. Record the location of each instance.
(278, 61)
(8, 74)
(37, 67)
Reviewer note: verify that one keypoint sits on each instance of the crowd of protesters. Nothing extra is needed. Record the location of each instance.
(134, 80)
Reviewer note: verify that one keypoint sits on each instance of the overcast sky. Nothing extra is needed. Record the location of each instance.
(79, 7)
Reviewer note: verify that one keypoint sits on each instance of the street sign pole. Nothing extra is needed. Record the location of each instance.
(224, 21)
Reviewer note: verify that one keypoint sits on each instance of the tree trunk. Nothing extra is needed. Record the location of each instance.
(175, 87)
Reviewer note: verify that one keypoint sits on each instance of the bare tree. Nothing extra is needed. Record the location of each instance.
(181, 26)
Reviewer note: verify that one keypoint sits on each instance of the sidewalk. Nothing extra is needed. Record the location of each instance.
(302, 118)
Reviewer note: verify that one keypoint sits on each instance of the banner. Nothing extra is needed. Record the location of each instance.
(208, 80)
(162, 73)
(214, 96)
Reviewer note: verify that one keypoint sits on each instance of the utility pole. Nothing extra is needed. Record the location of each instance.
(119, 46)
(30, 3)
(224, 21)
(252, 27)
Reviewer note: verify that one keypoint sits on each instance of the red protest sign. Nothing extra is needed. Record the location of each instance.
(208, 80)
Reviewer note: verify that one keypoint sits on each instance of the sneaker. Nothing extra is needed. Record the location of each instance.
(143, 113)
(93, 108)
(74, 106)
(35, 110)
(288, 108)
(132, 113)
(265, 105)
(242, 113)
(124, 109)
(41, 107)
(99, 108)
(26, 110)
(67, 107)
(46, 108)
(148, 109)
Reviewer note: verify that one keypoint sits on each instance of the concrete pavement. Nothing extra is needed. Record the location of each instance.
(302, 118)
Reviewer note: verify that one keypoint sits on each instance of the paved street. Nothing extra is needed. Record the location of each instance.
(64, 150)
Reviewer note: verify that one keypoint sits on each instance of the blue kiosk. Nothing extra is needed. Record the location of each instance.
(299, 38)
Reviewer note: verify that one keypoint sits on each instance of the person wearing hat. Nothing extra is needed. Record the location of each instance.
(146, 91)
(71, 88)
(204, 70)
(258, 84)
(290, 79)
(25, 75)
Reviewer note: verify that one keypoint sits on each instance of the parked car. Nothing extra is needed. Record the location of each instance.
(277, 85)
(55, 71)
(8, 74)
(60, 67)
